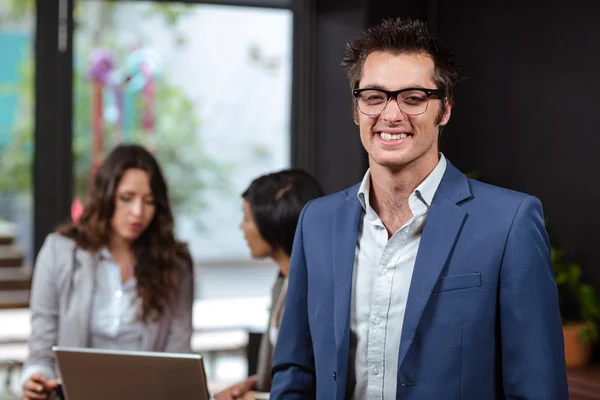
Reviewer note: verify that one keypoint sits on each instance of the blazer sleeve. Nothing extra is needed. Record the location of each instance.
(293, 364)
(44, 308)
(533, 359)
(180, 330)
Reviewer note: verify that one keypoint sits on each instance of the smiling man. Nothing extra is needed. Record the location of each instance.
(417, 283)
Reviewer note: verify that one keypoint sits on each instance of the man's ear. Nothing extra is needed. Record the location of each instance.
(355, 114)
(446, 115)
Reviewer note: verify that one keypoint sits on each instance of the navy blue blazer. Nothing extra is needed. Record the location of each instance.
(482, 320)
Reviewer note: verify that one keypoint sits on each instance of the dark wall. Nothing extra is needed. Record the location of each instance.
(526, 114)
(381, 9)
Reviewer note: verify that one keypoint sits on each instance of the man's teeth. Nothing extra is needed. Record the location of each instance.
(389, 136)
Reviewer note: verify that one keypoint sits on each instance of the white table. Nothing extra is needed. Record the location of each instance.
(208, 315)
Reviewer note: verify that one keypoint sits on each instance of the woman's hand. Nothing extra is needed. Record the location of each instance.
(237, 391)
(38, 387)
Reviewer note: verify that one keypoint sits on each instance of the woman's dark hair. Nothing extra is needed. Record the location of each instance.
(159, 256)
(276, 201)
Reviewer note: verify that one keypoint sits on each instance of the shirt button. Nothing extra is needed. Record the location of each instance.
(384, 271)
(118, 293)
(377, 320)
(375, 371)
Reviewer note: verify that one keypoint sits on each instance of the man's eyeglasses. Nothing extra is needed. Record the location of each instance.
(412, 101)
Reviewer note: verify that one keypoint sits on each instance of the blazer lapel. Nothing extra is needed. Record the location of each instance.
(442, 227)
(346, 225)
(83, 287)
(151, 335)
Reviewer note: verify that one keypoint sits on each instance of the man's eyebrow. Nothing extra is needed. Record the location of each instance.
(374, 86)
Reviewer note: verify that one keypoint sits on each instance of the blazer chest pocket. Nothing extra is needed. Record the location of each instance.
(458, 282)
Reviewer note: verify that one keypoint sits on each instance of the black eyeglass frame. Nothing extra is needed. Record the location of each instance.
(393, 94)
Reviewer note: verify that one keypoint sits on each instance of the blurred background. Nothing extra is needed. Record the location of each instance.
(226, 90)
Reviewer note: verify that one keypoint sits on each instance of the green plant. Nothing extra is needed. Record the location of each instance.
(568, 280)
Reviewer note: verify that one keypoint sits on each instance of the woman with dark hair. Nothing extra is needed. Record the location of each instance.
(115, 279)
(272, 205)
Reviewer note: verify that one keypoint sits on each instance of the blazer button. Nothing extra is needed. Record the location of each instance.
(334, 376)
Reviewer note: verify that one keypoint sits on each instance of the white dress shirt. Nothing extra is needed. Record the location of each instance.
(116, 309)
(381, 280)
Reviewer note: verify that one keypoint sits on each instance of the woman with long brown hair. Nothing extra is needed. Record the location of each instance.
(115, 279)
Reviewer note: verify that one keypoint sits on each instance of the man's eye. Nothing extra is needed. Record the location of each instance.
(374, 98)
(414, 97)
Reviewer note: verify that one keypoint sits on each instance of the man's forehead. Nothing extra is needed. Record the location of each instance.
(391, 71)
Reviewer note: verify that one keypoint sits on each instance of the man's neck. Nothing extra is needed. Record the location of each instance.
(391, 189)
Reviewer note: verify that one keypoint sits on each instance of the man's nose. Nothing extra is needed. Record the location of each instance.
(392, 112)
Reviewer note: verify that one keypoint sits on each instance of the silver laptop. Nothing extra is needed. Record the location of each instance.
(91, 374)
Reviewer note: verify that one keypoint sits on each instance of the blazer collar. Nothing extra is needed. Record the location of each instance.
(455, 185)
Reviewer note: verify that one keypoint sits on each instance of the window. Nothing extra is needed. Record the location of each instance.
(207, 87)
(17, 27)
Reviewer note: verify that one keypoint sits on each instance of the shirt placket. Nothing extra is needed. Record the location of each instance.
(378, 317)
(117, 301)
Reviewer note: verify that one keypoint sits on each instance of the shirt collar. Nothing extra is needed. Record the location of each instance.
(422, 196)
(104, 254)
